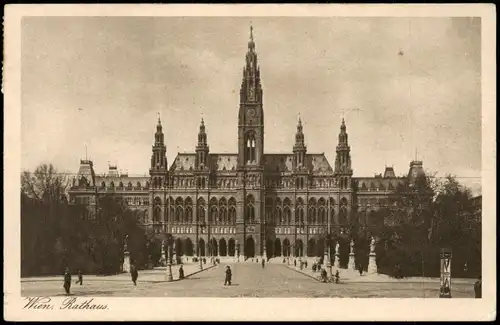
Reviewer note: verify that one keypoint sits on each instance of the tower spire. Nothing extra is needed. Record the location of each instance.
(202, 147)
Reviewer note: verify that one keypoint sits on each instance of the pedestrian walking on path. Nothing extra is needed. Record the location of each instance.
(477, 288)
(134, 274)
(337, 276)
(360, 269)
(263, 263)
(67, 281)
(80, 277)
(227, 280)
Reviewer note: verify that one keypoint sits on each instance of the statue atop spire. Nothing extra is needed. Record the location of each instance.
(251, 43)
(158, 126)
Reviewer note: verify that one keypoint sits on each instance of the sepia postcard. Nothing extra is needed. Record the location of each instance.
(182, 162)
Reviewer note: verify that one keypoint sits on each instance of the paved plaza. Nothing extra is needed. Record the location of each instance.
(249, 280)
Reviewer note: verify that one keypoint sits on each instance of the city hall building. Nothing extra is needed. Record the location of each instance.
(248, 203)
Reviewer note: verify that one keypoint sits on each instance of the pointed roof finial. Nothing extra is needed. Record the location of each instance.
(300, 120)
(251, 32)
(159, 122)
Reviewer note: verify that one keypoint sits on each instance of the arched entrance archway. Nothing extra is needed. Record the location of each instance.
(311, 247)
(201, 247)
(188, 244)
(277, 247)
(286, 247)
(299, 248)
(179, 250)
(213, 249)
(231, 247)
(320, 248)
(269, 248)
(249, 247)
(222, 247)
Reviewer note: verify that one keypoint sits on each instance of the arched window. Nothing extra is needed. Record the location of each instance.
(189, 214)
(321, 215)
(288, 215)
(250, 143)
(201, 214)
(278, 216)
(311, 217)
(232, 215)
(250, 210)
(222, 215)
(213, 214)
(178, 214)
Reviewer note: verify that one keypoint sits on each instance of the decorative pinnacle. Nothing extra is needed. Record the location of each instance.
(251, 32)
(159, 122)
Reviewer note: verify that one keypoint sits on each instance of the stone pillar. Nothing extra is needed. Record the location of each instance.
(174, 255)
(126, 262)
(126, 256)
(372, 261)
(352, 264)
(163, 259)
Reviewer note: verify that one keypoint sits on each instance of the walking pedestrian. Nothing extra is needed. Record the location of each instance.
(477, 288)
(67, 281)
(360, 269)
(134, 274)
(263, 263)
(80, 277)
(337, 276)
(227, 280)
(295, 263)
(181, 272)
(323, 275)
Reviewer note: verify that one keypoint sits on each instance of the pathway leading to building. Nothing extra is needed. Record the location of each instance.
(249, 280)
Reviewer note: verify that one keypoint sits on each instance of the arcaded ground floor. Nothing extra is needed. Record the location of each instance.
(249, 280)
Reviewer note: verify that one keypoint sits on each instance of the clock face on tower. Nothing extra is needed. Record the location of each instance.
(251, 112)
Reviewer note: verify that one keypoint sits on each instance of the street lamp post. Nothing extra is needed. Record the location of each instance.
(169, 276)
(328, 236)
(201, 226)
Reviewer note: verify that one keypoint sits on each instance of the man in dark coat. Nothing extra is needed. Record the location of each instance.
(360, 269)
(263, 263)
(134, 274)
(227, 281)
(67, 281)
(294, 262)
(477, 288)
(181, 272)
(324, 275)
(337, 276)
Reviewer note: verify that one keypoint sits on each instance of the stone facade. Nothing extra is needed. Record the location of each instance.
(249, 203)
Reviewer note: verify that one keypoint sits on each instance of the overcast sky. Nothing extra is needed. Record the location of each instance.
(404, 85)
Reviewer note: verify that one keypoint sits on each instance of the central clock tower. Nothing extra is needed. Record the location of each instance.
(250, 225)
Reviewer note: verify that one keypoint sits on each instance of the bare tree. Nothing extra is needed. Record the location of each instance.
(44, 184)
